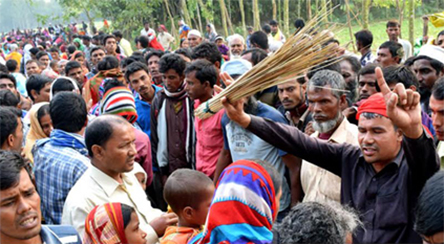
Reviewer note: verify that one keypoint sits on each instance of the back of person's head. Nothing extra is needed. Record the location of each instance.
(144, 41)
(328, 65)
(54, 49)
(3, 69)
(330, 78)
(172, 61)
(257, 55)
(86, 38)
(72, 65)
(68, 112)
(204, 71)
(429, 212)
(438, 89)
(273, 23)
(107, 63)
(8, 99)
(100, 131)
(35, 50)
(395, 49)
(71, 49)
(313, 222)
(400, 74)
(259, 39)
(184, 51)
(9, 77)
(37, 83)
(266, 28)
(11, 165)
(63, 83)
(186, 188)
(11, 65)
(354, 63)
(134, 67)
(208, 51)
(118, 34)
(155, 52)
(392, 23)
(365, 37)
(8, 123)
(299, 23)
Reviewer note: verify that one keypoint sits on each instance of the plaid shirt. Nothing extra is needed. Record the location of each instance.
(57, 169)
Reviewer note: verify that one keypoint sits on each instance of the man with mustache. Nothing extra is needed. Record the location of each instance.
(152, 60)
(20, 207)
(437, 107)
(384, 176)
(236, 44)
(326, 95)
(293, 105)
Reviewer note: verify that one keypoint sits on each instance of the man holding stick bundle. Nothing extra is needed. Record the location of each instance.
(384, 176)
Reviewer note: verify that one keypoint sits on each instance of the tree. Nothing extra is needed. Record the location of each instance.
(241, 7)
(223, 12)
(256, 18)
(186, 14)
(286, 17)
(273, 3)
(73, 8)
(308, 9)
(365, 13)
(412, 21)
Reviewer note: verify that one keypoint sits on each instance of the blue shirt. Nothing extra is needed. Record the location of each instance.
(144, 112)
(59, 162)
(245, 145)
(59, 234)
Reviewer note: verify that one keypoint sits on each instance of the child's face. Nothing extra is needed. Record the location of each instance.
(200, 213)
(219, 42)
(141, 178)
(133, 233)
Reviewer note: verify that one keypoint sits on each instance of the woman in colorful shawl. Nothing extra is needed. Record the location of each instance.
(41, 127)
(113, 223)
(244, 205)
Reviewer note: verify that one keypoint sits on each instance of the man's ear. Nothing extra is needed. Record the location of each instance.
(34, 93)
(217, 64)
(10, 141)
(97, 151)
(187, 213)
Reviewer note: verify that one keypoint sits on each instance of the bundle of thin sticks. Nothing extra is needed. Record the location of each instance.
(298, 55)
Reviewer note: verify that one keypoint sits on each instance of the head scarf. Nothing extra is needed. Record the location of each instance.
(92, 86)
(35, 132)
(374, 104)
(163, 28)
(244, 206)
(81, 46)
(119, 101)
(104, 225)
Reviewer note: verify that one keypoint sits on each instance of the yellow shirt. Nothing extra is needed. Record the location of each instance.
(15, 56)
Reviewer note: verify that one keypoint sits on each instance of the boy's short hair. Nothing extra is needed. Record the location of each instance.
(184, 188)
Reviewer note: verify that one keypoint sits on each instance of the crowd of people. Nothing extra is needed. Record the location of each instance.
(100, 144)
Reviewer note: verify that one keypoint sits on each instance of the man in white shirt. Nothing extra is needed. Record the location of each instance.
(393, 31)
(147, 31)
(110, 143)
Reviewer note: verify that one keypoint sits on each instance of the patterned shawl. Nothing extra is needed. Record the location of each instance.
(243, 208)
(92, 86)
(104, 225)
(35, 132)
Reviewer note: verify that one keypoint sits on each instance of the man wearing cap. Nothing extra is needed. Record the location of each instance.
(384, 176)
(428, 67)
(194, 38)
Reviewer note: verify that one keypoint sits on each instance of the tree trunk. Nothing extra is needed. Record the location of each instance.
(279, 16)
(230, 25)
(400, 9)
(224, 16)
(316, 6)
(186, 14)
(204, 10)
(286, 17)
(173, 26)
(324, 10)
(241, 7)
(273, 3)
(308, 10)
(299, 8)
(256, 17)
(198, 18)
(349, 24)
(365, 13)
(412, 22)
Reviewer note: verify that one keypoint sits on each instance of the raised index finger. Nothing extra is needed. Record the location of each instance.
(381, 82)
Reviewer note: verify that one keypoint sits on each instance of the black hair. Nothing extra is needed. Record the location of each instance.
(354, 62)
(266, 28)
(185, 187)
(79, 54)
(393, 23)
(144, 41)
(172, 61)
(273, 22)
(118, 33)
(8, 123)
(367, 70)
(184, 51)
(134, 67)
(8, 99)
(9, 77)
(68, 112)
(438, 89)
(205, 71)
(3, 68)
(126, 214)
(53, 49)
(87, 38)
(299, 23)
(395, 49)
(110, 84)
(429, 211)
(11, 164)
(400, 74)
(107, 63)
(154, 52)
(41, 54)
(43, 110)
(11, 65)
(37, 83)
(365, 37)
(409, 62)
(260, 39)
(96, 38)
(100, 130)
(72, 65)
(62, 84)
(208, 51)
(39, 64)
(328, 65)
(95, 48)
(436, 65)
(106, 38)
(34, 50)
(71, 49)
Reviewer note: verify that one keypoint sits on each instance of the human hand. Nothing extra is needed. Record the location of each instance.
(309, 128)
(235, 111)
(226, 79)
(161, 223)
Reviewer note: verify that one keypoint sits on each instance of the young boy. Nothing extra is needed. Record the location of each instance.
(189, 194)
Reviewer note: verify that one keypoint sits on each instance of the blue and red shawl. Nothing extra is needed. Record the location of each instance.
(243, 208)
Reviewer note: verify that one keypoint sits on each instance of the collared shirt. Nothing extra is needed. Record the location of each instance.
(150, 33)
(318, 184)
(56, 170)
(126, 46)
(96, 187)
(385, 199)
(367, 58)
(143, 109)
(407, 49)
(59, 234)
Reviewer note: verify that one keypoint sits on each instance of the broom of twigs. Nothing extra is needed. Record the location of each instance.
(298, 54)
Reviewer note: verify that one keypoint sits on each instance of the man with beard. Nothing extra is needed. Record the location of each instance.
(20, 207)
(236, 44)
(326, 96)
(428, 67)
(152, 60)
(384, 176)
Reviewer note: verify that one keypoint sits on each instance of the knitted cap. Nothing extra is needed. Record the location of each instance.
(119, 101)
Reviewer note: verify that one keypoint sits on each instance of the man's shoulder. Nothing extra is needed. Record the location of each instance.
(266, 111)
(52, 234)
